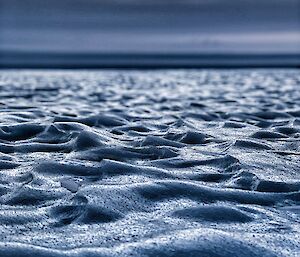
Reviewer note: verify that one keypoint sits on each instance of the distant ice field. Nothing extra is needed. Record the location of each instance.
(150, 163)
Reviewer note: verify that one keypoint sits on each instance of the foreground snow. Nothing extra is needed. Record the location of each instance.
(150, 163)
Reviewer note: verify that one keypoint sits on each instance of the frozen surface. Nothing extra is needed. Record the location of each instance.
(150, 163)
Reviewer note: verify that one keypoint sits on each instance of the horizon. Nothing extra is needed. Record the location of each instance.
(133, 28)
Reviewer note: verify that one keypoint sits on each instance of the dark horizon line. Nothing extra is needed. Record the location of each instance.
(39, 60)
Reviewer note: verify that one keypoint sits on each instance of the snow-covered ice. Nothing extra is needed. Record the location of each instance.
(150, 163)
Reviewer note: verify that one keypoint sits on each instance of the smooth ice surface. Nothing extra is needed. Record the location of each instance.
(150, 163)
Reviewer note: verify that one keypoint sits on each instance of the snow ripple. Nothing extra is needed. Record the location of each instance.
(150, 163)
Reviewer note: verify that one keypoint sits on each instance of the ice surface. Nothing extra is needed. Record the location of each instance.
(150, 163)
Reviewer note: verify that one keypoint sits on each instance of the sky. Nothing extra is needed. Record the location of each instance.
(160, 27)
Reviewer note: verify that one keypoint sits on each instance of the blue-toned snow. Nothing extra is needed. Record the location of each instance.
(150, 163)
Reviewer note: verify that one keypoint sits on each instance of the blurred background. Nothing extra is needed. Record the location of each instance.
(98, 33)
